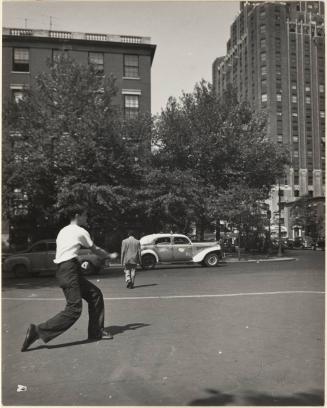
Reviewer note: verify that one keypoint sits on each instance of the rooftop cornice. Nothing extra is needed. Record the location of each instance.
(70, 35)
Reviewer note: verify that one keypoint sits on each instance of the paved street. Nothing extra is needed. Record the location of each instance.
(238, 334)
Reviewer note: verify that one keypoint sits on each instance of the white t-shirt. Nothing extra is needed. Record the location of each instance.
(69, 241)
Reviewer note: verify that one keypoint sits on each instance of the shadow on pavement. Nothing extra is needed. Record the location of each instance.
(144, 286)
(73, 343)
(121, 329)
(312, 398)
(215, 398)
(113, 330)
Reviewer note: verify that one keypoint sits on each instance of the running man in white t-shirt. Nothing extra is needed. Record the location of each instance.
(74, 285)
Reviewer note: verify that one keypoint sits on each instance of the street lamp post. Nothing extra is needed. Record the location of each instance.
(279, 221)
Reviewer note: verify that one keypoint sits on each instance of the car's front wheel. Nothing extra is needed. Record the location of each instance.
(211, 259)
(148, 261)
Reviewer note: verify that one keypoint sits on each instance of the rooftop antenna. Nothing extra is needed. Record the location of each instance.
(51, 22)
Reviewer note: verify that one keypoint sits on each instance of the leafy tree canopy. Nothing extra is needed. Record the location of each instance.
(67, 140)
(223, 144)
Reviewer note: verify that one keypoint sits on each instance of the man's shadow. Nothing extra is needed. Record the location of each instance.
(144, 286)
(121, 329)
(112, 329)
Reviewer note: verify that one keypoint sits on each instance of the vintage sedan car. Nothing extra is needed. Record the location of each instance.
(178, 248)
(39, 259)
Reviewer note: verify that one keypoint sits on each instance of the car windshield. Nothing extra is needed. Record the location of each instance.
(146, 240)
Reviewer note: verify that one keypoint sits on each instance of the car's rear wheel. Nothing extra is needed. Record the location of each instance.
(20, 271)
(148, 261)
(211, 259)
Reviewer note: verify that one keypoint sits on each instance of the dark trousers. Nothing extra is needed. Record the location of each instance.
(75, 288)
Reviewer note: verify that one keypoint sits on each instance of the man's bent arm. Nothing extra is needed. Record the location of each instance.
(99, 251)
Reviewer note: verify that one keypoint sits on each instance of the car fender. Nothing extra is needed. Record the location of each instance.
(199, 257)
(11, 262)
(149, 251)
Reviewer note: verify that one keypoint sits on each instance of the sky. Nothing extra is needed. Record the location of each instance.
(189, 35)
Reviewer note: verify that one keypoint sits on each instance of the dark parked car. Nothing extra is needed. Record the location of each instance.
(39, 259)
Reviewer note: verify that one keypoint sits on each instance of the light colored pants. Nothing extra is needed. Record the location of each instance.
(130, 271)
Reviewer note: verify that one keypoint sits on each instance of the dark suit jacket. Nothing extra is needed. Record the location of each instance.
(130, 251)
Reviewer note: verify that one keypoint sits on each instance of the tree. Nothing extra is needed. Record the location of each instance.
(67, 140)
(309, 214)
(223, 144)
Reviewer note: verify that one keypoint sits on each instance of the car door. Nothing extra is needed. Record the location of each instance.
(51, 254)
(163, 249)
(37, 255)
(182, 249)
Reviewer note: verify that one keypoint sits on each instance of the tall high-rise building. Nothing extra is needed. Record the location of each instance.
(276, 60)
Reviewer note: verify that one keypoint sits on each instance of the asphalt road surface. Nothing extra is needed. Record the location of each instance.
(238, 334)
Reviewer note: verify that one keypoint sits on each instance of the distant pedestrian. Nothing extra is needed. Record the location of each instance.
(130, 257)
(74, 285)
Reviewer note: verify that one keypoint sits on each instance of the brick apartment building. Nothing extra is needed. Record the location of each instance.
(276, 60)
(128, 58)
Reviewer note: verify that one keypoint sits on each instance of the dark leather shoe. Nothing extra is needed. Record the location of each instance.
(129, 284)
(107, 335)
(31, 337)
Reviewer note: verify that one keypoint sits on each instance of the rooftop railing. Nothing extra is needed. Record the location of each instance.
(24, 32)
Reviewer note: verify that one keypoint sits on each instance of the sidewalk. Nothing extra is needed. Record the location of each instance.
(257, 258)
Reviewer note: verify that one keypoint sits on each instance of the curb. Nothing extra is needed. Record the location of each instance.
(261, 260)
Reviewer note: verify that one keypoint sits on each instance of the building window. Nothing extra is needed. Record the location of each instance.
(321, 88)
(296, 153)
(263, 57)
(56, 54)
(279, 138)
(295, 139)
(96, 59)
(21, 62)
(296, 192)
(264, 70)
(307, 99)
(322, 114)
(307, 89)
(262, 42)
(294, 87)
(19, 202)
(131, 105)
(262, 29)
(264, 98)
(17, 95)
(278, 97)
(131, 66)
(294, 114)
(294, 98)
